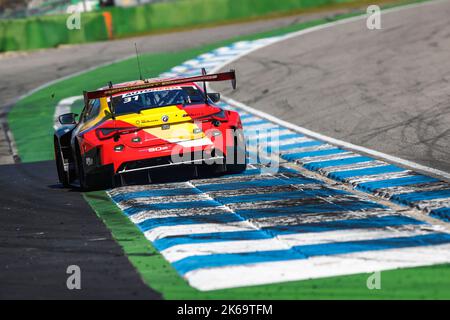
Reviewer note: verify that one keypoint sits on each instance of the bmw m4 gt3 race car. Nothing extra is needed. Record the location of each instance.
(130, 130)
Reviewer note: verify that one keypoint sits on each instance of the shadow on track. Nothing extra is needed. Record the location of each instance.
(45, 228)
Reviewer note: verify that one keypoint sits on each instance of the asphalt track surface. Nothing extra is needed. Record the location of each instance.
(386, 90)
(44, 228)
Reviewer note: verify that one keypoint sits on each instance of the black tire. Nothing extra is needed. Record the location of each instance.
(239, 150)
(210, 170)
(62, 175)
(94, 181)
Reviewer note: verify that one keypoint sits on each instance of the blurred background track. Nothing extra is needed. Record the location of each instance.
(25, 71)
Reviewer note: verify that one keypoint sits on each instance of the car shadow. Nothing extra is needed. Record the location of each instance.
(161, 176)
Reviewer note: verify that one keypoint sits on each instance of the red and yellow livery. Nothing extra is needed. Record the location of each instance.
(132, 129)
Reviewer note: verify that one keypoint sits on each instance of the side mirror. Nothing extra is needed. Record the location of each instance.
(215, 97)
(67, 118)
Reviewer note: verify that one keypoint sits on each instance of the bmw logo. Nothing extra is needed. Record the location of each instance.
(165, 118)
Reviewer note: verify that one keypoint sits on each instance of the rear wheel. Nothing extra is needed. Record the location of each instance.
(211, 170)
(63, 176)
(92, 181)
(238, 162)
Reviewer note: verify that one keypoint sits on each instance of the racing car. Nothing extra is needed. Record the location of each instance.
(128, 131)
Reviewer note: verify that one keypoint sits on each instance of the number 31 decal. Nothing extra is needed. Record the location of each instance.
(129, 99)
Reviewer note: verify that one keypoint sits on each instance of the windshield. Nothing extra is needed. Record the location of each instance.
(134, 102)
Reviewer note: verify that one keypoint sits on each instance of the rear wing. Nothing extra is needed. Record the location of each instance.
(230, 75)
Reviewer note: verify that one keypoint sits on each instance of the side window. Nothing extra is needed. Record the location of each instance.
(92, 110)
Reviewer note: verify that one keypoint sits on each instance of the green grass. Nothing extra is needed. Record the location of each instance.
(414, 283)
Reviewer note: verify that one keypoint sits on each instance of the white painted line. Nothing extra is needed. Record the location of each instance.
(284, 242)
(250, 119)
(155, 200)
(316, 267)
(433, 204)
(232, 179)
(201, 228)
(149, 187)
(427, 186)
(198, 64)
(323, 217)
(337, 156)
(264, 126)
(273, 204)
(177, 213)
(355, 166)
(379, 177)
(262, 134)
(259, 190)
(64, 106)
(308, 149)
(180, 69)
(275, 142)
